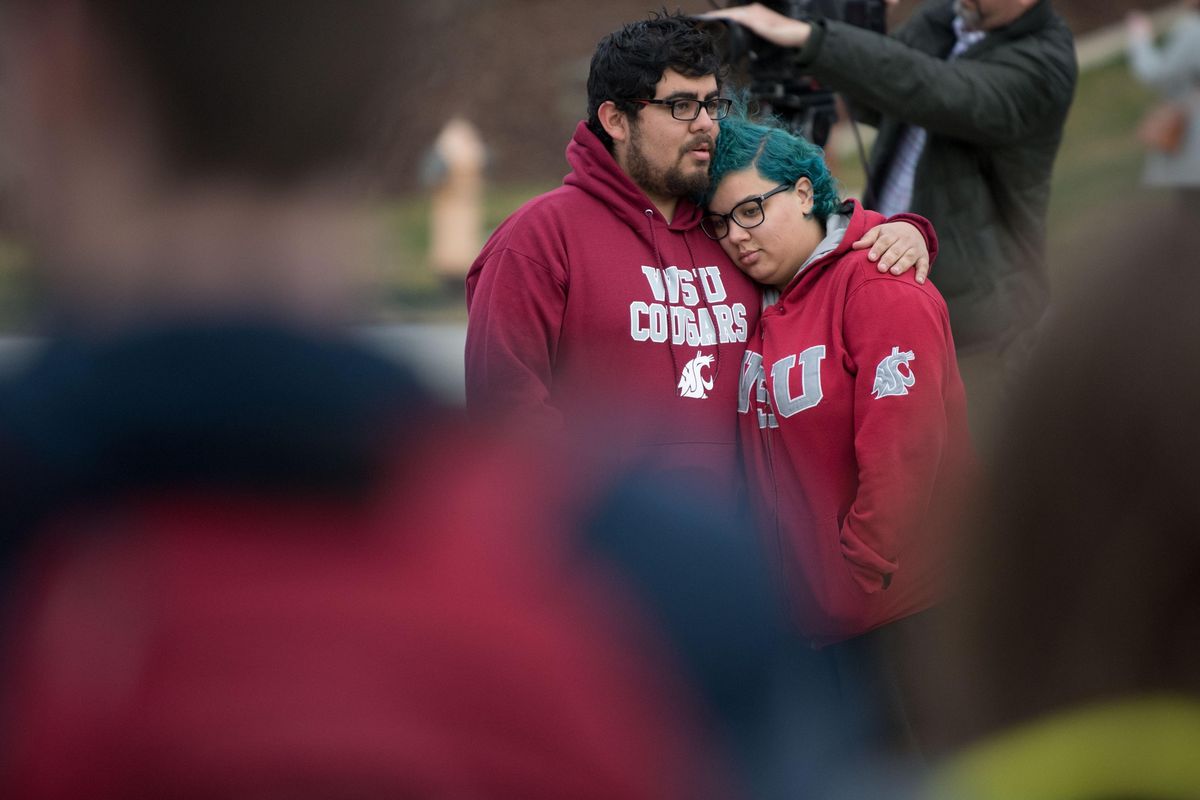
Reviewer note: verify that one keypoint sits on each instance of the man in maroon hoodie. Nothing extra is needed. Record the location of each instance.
(599, 311)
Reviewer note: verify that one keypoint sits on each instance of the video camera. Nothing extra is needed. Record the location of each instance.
(775, 84)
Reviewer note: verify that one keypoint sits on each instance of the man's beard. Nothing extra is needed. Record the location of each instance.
(673, 182)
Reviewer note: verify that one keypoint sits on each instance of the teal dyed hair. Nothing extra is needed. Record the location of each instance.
(776, 154)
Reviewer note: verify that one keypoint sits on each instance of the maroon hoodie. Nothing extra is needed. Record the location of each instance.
(593, 316)
(854, 432)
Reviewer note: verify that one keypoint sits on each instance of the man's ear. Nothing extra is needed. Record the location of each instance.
(614, 121)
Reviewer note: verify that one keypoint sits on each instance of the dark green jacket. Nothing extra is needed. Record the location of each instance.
(994, 118)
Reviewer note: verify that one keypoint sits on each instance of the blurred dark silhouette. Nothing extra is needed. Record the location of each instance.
(1070, 660)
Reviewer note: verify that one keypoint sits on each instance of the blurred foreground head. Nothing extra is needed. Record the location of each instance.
(240, 558)
(1081, 586)
(198, 156)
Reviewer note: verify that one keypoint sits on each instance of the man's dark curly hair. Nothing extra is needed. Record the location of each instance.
(629, 63)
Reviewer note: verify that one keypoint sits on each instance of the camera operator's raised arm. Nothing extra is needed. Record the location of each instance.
(770, 25)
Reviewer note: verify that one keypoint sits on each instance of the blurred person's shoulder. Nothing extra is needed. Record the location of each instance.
(454, 599)
(250, 407)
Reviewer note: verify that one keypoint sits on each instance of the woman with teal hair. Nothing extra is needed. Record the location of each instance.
(853, 417)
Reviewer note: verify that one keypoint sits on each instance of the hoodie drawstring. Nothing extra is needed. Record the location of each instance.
(708, 309)
(658, 259)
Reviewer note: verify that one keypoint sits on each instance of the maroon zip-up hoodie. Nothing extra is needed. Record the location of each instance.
(854, 430)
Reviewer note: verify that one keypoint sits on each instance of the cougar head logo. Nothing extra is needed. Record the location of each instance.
(893, 376)
(692, 382)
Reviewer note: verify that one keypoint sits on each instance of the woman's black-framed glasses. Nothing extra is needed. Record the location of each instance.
(687, 109)
(747, 214)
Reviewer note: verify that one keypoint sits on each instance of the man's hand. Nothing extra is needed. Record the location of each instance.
(897, 246)
(770, 25)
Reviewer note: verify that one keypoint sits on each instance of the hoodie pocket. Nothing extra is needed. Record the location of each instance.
(830, 601)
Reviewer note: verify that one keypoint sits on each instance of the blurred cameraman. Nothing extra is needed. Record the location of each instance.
(970, 98)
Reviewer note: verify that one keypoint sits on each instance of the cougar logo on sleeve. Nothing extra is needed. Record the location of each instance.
(893, 376)
(692, 382)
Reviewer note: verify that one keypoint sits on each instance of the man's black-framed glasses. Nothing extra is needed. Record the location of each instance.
(747, 214)
(687, 109)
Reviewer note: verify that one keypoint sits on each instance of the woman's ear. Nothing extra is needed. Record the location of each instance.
(614, 121)
(804, 189)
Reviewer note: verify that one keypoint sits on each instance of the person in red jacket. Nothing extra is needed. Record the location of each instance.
(600, 304)
(852, 413)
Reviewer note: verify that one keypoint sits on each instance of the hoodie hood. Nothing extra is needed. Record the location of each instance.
(595, 171)
(843, 228)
